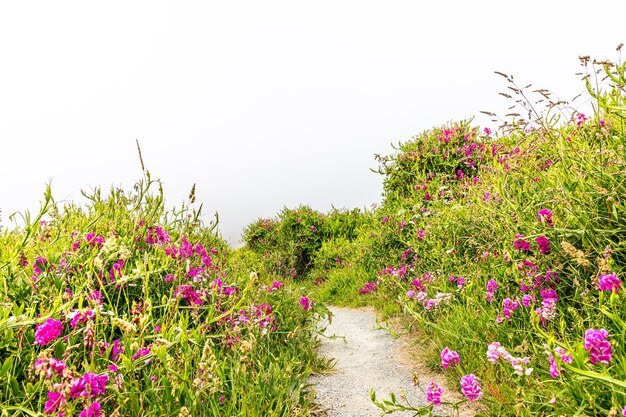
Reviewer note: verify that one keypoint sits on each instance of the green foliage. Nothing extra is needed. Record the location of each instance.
(463, 206)
(152, 302)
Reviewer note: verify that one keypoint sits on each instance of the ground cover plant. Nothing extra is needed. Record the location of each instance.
(507, 249)
(124, 308)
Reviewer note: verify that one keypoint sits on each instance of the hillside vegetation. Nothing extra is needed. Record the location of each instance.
(507, 249)
(125, 308)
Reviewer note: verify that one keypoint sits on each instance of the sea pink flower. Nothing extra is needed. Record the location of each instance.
(470, 387)
(449, 357)
(433, 393)
(48, 332)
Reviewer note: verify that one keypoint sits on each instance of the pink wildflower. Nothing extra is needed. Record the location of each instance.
(89, 386)
(544, 244)
(545, 215)
(433, 393)
(55, 401)
(598, 347)
(470, 387)
(520, 243)
(305, 303)
(48, 332)
(449, 357)
(609, 282)
(92, 410)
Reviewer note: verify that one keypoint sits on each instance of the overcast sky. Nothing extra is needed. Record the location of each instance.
(263, 104)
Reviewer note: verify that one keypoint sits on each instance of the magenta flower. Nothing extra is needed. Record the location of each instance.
(520, 243)
(89, 386)
(545, 215)
(305, 303)
(527, 299)
(598, 347)
(554, 370)
(609, 282)
(492, 285)
(509, 306)
(140, 353)
(449, 357)
(433, 393)
(48, 332)
(565, 357)
(118, 348)
(544, 244)
(50, 367)
(55, 400)
(368, 287)
(92, 410)
(470, 387)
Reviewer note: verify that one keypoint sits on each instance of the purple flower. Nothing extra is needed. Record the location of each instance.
(48, 332)
(368, 287)
(92, 410)
(609, 282)
(545, 215)
(544, 244)
(520, 243)
(509, 306)
(88, 386)
(470, 388)
(565, 357)
(527, 299)
(305, 303)
(492, 285)
(554, 370)
(140, 353)
(449, 357)
(433, 393)
(598, 347)
(118, 348)
(55, 400)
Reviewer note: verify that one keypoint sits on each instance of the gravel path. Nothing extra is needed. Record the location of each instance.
(365, 358)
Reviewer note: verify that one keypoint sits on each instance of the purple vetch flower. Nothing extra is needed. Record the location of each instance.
(470, 387)
(492, 285)
(598, 347)
(554, 368)
(565, 357)
(520, 244)
(527, 299)
(93, 410)
(48, 332)
(89, 386)
(544, 244)
(545, 215)
(55, 401)
(449, 357)
(609, 282)
(433, 393)
(141, 352)
(305, 303)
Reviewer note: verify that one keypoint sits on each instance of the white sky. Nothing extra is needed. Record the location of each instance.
(263, 104)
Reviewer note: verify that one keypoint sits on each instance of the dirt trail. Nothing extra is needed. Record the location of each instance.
(366, 357)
